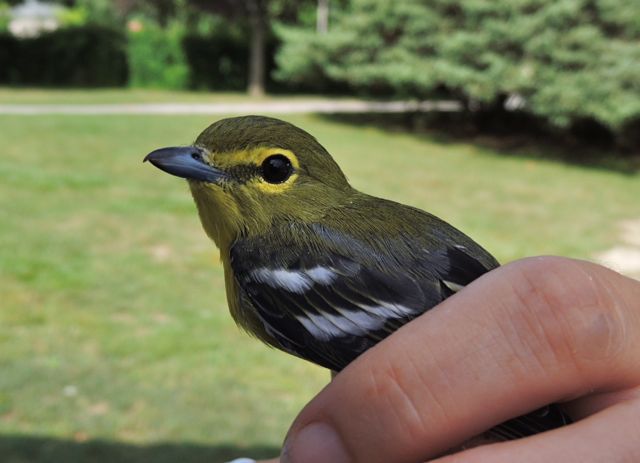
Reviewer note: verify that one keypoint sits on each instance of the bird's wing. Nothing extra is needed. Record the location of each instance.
(329, 303)
(331, 300)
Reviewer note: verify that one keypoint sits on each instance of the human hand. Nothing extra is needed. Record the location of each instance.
(534, 332)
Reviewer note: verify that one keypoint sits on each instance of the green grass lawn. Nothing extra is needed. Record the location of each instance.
(115, 342)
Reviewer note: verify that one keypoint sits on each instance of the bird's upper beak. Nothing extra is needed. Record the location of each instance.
(186, 162)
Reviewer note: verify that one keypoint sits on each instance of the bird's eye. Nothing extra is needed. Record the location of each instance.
(276, 168)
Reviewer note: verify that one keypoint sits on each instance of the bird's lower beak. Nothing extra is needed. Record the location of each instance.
(186, 162)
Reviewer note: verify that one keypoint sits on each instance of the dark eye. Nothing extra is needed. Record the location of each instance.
(276, 168)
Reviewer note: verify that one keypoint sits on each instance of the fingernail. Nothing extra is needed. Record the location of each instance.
(315, 443)
(242, 460)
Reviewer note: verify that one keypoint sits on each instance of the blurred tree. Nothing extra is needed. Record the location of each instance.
(96, 12)
(259, 16)
(160, 11)
(258, 23)
(161, 20)
(322, 17)
(563, 60)
(255, 14)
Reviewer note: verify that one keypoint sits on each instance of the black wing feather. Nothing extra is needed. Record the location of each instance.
(544, 419)
(367, 295)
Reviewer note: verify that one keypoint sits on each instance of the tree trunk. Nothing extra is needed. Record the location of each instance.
(258, 23)
(322, 17)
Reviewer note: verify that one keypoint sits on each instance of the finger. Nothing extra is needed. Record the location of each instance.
(525, 335)
(251, 460)
(594, 403)
(607, 437)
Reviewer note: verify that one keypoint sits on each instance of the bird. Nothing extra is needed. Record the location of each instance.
(312, 266)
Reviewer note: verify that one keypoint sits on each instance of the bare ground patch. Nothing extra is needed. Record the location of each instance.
(625, 257)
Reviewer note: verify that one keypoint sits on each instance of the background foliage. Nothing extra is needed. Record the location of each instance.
(566, 61)
(156, 57)
(550, 66)
(91, 55)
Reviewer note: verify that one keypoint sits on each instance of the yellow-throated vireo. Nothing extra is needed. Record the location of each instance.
(312, 266)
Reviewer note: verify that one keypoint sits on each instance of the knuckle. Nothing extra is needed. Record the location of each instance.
(569, 310)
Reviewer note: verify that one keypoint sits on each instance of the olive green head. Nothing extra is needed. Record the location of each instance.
(248, 173)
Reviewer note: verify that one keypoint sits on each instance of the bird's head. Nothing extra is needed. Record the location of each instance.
(248, 173)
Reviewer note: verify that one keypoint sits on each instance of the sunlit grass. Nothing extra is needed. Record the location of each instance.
(113, 320)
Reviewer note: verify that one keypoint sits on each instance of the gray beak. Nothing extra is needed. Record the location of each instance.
(186, 162)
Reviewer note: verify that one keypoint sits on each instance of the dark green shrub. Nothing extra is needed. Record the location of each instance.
(85, 56)
(217, 61)
(8, 51)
